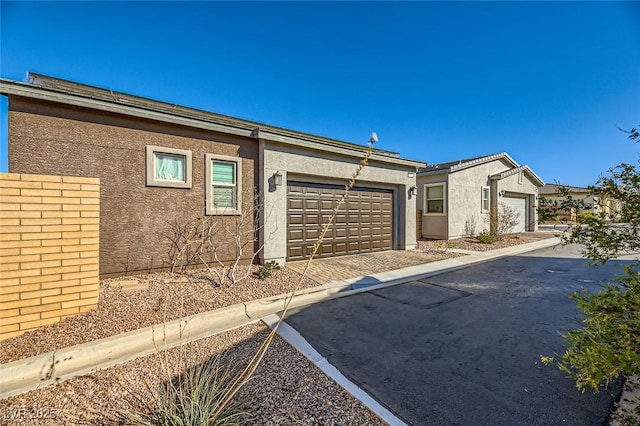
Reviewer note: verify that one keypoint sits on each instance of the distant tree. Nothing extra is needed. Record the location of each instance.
(608, 344)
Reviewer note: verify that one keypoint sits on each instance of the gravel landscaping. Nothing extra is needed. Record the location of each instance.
(471, 243)
(168, 297)
(627, 409)
(286, 389)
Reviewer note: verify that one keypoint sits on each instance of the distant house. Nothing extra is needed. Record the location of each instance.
(457, 197)
(549, 195)
(160, 162)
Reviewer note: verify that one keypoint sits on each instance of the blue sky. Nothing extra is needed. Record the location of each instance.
(547, 82)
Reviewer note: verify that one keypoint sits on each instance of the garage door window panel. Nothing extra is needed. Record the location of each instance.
(435, 198)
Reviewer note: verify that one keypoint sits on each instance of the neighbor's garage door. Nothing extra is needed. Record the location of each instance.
(364, 222)
(519, 206)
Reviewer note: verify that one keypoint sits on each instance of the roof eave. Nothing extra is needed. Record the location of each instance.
(248, 129)
(434, 172)
(538, 179)
(484, 160)
(8, 87)
(526, 169)
(272, 136)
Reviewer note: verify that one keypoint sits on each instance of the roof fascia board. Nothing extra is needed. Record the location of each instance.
(435, 172)
(573, 189)
(267, 135)
(483, 160)
(535, 176)
(17, 89)
(526, 169)
(478, 161)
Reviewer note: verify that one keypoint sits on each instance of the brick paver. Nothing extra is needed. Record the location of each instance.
(357, 265)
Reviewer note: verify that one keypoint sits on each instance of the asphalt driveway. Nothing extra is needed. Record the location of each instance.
(463, 348)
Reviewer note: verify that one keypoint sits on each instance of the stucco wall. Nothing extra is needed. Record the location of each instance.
(48, 138)
(585, 197)
(312, 166)
(510, 186)
(464, 199)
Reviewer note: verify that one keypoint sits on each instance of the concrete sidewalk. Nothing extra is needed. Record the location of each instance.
(42, 370)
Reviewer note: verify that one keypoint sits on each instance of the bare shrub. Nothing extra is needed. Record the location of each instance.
(186, 239)
(470, 226)
(203, 240)
(502, 220)
(443, 246)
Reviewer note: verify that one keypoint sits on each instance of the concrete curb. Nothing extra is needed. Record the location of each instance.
(295, 339)
(42, 370)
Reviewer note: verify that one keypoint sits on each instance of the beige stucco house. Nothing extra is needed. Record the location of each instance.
(456, 198)
(595, 203)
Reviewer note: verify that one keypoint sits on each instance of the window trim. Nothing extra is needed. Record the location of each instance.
(209, 209)
(482, 199)
(426, 199)
(150, 160)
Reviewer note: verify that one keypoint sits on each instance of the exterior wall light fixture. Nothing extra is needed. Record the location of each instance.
(413, 190)
(277, 178)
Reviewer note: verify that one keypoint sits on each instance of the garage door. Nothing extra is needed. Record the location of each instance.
(364, 222)
(519, 207)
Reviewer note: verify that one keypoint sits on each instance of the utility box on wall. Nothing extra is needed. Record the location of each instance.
(49, 249)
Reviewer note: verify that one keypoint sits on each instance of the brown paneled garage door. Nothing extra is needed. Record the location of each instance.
(364, 222)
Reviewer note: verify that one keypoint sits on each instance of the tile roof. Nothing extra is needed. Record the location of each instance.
(453, 166)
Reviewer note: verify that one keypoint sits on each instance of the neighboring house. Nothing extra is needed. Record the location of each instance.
(549, 195)
(457, 197)
(159, 163)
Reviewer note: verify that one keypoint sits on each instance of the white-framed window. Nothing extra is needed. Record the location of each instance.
(168, 167)
(434, 199)
(223, 184)
(485, 202)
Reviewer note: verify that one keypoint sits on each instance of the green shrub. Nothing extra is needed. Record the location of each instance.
(486, 238)
(586, 216)
(267, 269)
(608, 345)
